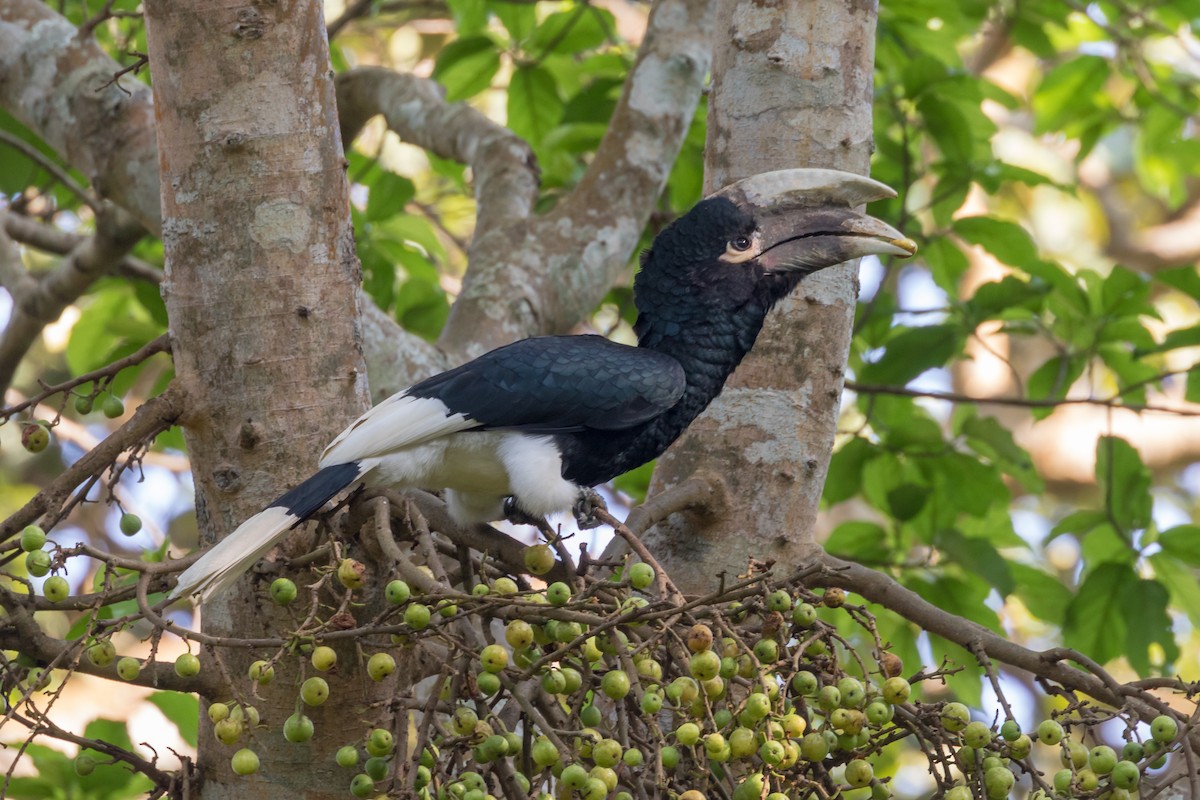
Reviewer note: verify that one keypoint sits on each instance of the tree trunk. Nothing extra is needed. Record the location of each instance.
(261, 290)
(792, 87)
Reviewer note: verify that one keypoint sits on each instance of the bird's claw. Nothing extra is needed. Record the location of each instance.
(586, 507)
(519, 516)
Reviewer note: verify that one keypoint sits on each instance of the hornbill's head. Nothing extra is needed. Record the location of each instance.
(757, 237)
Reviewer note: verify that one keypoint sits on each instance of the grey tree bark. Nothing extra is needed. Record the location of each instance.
(792, 88)
(262, 293)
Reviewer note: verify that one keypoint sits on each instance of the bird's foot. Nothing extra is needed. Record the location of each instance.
(586, 507)
(519, 516)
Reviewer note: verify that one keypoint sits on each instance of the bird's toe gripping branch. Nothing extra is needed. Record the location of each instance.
(586, 507)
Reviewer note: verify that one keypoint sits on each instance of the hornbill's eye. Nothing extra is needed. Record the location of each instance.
(741, 243)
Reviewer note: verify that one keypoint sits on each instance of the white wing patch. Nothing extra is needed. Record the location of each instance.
(397, 423)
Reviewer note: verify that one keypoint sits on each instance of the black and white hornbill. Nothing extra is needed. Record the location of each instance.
(538, 422)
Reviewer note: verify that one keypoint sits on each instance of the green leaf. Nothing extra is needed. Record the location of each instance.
(979, 557)
(388, 195)
(1181, 582)
(1124, 482)
(466, 66)
(518, 19)
(845, 470)
(183, 710)
(946, 261)
(533, 103)
(948, 127)
(1052, 381)
(911, 352)
(969, 485)
(1144, 605)
(1182, 542)
(574, 31)
(1080, 522)
(1191, 391)
(864, 542)
(1013, 245)
(1094, 623)
(1180, 337)
(1070, 91)
(1185, 279)
(636, 482)
(470, 16)
(1043, 594)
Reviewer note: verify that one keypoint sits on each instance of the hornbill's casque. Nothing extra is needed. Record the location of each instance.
(539, 421)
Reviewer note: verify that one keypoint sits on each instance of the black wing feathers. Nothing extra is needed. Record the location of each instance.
(557, 384)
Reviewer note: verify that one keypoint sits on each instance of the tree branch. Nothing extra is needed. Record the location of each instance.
(52, 240)
(40, 303)
(545, 275)
(973, 637)
(506, 179)
(151, 418)
(104, 131)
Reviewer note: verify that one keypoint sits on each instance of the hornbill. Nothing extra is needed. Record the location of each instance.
(531, 426)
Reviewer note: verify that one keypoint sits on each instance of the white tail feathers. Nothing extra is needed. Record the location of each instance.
(236, 553)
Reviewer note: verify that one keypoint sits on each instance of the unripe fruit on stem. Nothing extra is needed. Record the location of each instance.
(1126, 775)
(228, 730)
(244, 762)
(417, 616)
(558, 593)
(544, 753)
(56, 589)
(84, 404)
(298, 728)
(641, 575)
(779, 600)
(283, 591)
(859, 773)
(130, 524)
(217, 712)
(346, 756)
(615, 684)
(539, 559)
(955, 717)
(314, 691)
(852, 691)
(1050, 732)
(35, 437)
(324, 658)
(1102, 759)
(102, 653)
(1164, 729)
(187, 665)
(112, 407)
(380, 742)
(32, 538)
(1010, 730)
(998, 782)
(362, 785)
(352, 574)
(705, 665)
(376, 768)
(84, 765)
(487, 683)
(397, 592)
(896, 690)
(669, 756)
(504, 586)
(518, 634)
(37, 563)
(128, 668)
(262, 672)
(977, 734)
(380, 665)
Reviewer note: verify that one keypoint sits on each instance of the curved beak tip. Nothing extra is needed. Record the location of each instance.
(907, 245)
